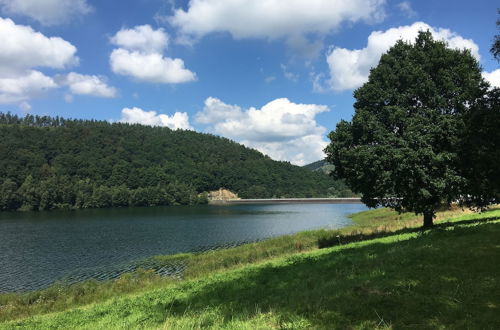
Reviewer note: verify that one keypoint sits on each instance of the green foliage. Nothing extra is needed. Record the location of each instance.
(48, 163)
(480, 152)
(338, 188)
(9, 196)
(495, 48)
(402, 148)
(317, 165)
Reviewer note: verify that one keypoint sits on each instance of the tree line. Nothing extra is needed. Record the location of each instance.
(52, 162)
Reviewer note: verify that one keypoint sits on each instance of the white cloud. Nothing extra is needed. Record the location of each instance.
(300, 151)
(21, 48)
(24, 87)
(216, 111)
(406, 8)
(179, 120)
(86, 85)
(350, 68)
(272, 18)
(47, 12)
(140, 56)
(152, 67)
(141, 38)
(281, 129)
(24, 50)
(294, 20)
(493, 77)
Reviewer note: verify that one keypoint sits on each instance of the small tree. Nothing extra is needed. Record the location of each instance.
(402, 147)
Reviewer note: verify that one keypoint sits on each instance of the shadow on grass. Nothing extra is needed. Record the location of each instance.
(442, 279)
(339, 239)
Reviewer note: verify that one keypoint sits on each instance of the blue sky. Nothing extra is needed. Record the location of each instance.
(275, 75)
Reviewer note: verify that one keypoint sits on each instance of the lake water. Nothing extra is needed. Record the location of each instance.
(39, 248)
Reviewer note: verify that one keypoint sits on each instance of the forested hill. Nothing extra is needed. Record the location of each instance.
(338, 187)
(48, 163)
(320, 165)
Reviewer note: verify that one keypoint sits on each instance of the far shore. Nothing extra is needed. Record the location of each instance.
(353, 200)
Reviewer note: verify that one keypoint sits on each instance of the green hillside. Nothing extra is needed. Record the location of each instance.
(48, 163)
(338, 188)
(320, 166)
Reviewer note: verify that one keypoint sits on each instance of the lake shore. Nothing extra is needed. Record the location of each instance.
(381, 224)
(74, 246)
(286, 201)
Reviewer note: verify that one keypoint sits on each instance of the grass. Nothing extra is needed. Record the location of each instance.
(439, 278)
(388, 220)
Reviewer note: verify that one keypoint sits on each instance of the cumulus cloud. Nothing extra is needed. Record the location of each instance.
(141, 38)
(140, 56)
(179, 120)
(86, 85)
(153, 67)
(349, 68)
(281, 129)
(493, 77)
(23, 51)
(272, 19)
(23, 48)
(47, 12)
(216, 111)
(24, 87)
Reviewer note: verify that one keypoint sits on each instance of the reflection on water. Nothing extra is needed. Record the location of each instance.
(38, 248)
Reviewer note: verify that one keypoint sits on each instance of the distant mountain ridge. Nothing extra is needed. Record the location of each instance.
(320, 166)
(48, 163)
(338, 187)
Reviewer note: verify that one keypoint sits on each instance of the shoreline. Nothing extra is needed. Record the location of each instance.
(349, 200)
(295, 261)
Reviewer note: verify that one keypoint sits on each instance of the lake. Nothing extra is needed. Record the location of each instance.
(39, 248)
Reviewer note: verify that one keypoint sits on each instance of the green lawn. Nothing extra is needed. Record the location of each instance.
(443, 278)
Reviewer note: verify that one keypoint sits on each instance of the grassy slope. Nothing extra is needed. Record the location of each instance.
(61, 297)
(442, 278)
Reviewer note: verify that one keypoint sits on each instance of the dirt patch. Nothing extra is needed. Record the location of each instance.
(222, 195)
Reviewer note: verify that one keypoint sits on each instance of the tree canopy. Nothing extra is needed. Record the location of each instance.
(48, 163)
(412, 139)
(495, 48)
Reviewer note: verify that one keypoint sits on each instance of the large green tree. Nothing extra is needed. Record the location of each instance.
(404, 145)
(480, 152)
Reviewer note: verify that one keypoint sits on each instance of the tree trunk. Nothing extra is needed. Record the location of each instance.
(428, 219)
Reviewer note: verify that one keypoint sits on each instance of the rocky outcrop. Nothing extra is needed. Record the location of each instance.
(222, 195)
